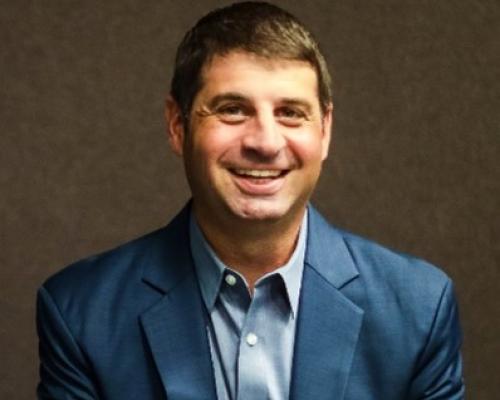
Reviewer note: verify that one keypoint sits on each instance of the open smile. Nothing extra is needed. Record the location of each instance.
(259, 173)
(259, 182)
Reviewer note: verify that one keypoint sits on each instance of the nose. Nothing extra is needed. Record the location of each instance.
(264, 138)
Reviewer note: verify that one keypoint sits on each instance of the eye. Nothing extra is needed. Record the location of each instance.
(291, 115)
(232, 113)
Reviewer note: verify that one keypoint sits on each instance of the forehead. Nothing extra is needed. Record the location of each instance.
(247, 72)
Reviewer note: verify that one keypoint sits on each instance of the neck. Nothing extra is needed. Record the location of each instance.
(253, 248)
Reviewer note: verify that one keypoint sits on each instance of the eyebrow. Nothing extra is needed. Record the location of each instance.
(230, 96)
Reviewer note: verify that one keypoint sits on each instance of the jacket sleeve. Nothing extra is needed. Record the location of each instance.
(64, 371)
(438, 375)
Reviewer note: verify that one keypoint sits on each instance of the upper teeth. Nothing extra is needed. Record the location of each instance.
(258, 173)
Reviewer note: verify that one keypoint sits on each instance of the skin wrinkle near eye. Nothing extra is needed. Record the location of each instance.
(204, 111)
(220, 105)
(223, 114)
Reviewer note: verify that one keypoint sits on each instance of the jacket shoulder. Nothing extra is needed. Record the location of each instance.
(372, 257)
(396, 289)
(100, 271)
(382, 263)
(367, 259)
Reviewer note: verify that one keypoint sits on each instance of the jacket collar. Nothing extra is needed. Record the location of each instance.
(168, 260)
(327, 252)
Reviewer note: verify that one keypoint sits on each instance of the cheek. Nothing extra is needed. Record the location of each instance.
(308, 148)
(212, 145)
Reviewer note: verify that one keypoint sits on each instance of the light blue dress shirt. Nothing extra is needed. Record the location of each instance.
(251, 337)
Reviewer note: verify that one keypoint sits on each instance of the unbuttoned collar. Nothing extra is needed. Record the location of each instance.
(211, 270)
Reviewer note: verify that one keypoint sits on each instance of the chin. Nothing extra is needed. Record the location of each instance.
(259, 210)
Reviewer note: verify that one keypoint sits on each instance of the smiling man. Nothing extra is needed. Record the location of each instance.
(249, 293)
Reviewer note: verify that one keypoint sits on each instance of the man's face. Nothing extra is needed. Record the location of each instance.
(256, 139)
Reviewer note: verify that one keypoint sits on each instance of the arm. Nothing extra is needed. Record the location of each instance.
(438, 373)
(64, 371)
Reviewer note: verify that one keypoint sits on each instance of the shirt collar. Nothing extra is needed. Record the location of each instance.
(210, 269)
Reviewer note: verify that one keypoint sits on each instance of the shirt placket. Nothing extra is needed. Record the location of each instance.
(251, 373)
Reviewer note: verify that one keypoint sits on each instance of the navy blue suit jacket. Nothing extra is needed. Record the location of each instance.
(130, 324)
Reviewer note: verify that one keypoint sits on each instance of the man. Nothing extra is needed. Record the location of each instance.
(249, 293)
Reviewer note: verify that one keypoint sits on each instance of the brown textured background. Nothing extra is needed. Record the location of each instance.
(84, 161)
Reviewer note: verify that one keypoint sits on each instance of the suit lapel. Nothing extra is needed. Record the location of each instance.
(329, 323)
(176, 332)
(175, 327)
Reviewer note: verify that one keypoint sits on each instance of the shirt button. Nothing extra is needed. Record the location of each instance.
(252, 339)
(230, 280)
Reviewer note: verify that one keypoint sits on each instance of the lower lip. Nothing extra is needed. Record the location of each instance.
(259, 186)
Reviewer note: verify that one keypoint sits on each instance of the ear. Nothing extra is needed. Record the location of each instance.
(327, 124)
(174, 125)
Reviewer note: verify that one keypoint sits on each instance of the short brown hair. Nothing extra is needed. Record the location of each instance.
(255, 27)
